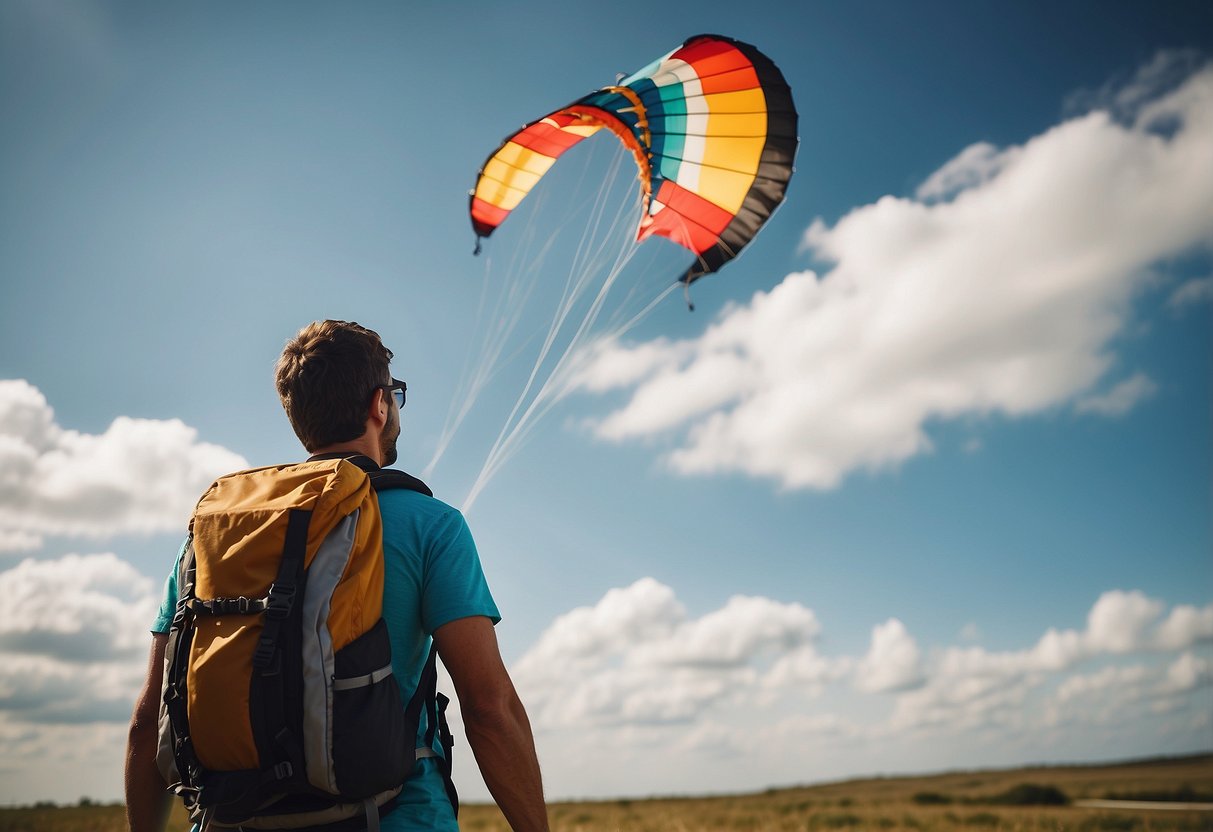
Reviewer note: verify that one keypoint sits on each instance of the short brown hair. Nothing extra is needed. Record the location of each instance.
(325, 378)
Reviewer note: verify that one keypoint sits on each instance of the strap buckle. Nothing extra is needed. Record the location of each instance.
(280, 600)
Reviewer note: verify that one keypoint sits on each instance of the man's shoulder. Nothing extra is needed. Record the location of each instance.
(403, 501)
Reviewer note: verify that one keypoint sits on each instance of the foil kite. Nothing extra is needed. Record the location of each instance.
(713, 131)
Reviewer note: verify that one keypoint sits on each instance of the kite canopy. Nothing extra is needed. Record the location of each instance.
(712, 128)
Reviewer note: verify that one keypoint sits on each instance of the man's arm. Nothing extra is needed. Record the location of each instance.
(147, 799)
(496, 722)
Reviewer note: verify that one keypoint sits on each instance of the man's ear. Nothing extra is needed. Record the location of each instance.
(378, 411)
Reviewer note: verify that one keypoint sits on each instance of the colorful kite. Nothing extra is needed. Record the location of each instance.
(713, 130)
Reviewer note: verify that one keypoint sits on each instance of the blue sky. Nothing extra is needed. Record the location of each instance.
(922, 483)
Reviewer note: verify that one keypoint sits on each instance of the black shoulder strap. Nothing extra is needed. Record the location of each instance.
(382, 479)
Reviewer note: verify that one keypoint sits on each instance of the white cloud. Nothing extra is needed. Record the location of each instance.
(1188, 673)
(76, 608)
(893, 662)
(1191, 293)
(637, 660)
(1113, 693)
(732, 636)
(624, 617)
(1120, 399)
(1006, 299)
(805, 669)
(1101, 682)
(73, 653)
(636, 656)
(1119, 621)
(140, 475)
(962, 704)
(974, 165)
(73, 639)
(1184, 627)
(1125, 100)
(974, 687)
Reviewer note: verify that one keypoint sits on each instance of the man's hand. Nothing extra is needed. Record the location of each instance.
(147, 798)
(496, 722)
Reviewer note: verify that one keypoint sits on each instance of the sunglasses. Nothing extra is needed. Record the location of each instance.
(397, 389)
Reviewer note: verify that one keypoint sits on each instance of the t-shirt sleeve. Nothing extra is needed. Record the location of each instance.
(168, 604)
(454, 585)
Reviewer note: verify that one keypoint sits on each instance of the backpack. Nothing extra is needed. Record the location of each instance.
(279, 709)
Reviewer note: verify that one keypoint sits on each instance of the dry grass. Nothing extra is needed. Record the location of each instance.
(955, 801)
(889, 804)
(111, 818)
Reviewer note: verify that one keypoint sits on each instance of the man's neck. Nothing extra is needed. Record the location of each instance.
(356, 446)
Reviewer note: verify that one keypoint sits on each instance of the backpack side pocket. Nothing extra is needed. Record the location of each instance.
(373, 748)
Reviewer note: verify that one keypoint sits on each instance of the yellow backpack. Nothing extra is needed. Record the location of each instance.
(279, 706)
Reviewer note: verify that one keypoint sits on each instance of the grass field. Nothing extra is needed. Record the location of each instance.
(983, 800)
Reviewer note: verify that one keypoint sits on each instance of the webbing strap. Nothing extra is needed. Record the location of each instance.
(352, 682)
(176, 691)
(276, 684)
(448, 744)
(435, 704)
(281, 600)
(229, 606)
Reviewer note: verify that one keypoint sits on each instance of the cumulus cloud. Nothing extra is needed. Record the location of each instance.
(1000, 290)
(1116, 692)
(973, 687)
(1185, 626)
(636, 656)
(75, 608)
(140, 475)
(807, 670)
(73, 638)
(638, 659)
(732, 636)
(1188, 673)
(892, 663)
(1119, 621)
(1081, 686)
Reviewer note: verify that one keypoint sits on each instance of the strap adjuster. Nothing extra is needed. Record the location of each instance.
(267, 659)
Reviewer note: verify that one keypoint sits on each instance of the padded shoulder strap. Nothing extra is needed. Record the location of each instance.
(382, 479)
(387, 478)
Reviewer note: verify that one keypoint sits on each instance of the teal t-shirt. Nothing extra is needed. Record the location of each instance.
(432, 576)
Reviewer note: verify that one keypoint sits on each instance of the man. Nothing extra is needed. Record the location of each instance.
(334, 382)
